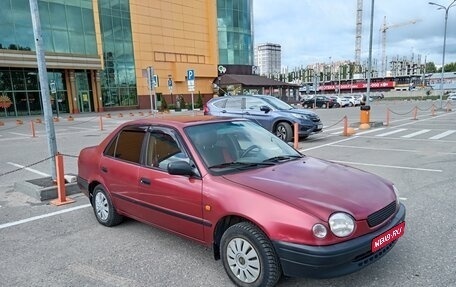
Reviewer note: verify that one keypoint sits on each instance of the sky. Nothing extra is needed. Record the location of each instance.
(321, 31)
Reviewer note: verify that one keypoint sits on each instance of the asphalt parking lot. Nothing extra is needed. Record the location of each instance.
(45, 245)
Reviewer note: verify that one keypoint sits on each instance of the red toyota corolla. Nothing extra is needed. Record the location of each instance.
(264, 208)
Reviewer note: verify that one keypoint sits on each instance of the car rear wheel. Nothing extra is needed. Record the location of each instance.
(323, 106)
(248, 256)
(103, 208)
(284, 131)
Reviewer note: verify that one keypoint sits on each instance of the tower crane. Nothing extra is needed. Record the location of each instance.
(359, 31)
(383, 30)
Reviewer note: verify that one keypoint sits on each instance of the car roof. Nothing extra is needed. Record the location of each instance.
(179, 121)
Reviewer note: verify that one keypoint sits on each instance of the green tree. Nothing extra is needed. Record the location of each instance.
(182, 102)
(199, 101)
(430, 67)
(451, 67)
(164, 104)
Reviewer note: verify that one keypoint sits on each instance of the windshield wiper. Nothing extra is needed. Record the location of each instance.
(281, 158)
(242, 165)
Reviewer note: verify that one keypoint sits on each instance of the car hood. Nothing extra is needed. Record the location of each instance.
(320, 187)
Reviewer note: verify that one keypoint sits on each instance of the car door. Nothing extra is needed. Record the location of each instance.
(173, 202)
(254, 110)
(120, 165)
(234, 106)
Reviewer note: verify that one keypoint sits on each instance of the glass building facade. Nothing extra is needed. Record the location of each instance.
(68, 28)
(118, 79)
(235, 32)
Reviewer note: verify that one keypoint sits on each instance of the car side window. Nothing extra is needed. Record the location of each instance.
(220, 103)
(234, 102)
(127, 145)
(253, 103)
(162, 149)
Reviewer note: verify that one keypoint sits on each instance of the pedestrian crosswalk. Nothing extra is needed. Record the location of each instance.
(405, 133)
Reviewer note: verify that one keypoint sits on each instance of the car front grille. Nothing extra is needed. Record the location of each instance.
(379, 216)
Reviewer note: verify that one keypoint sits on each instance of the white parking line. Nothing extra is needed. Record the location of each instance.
(29, 169)
(388, 166)
(370, 131)
(391, 132)
(415, 134)
(390, 149)
(9, 224)
(20, 134)
(328, 144)
(442, 135)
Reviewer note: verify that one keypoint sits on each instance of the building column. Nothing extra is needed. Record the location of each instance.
(98, 93)
(73, 94)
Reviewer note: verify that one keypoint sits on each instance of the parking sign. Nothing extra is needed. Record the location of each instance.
(190, 75)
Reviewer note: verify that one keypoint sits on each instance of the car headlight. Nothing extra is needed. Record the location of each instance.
(341, 224)
(319, 230)
(396, 192)
(300, 116)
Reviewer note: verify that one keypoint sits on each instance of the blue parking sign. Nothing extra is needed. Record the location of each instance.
(190, 75)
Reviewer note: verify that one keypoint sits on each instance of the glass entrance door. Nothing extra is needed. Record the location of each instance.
(84, 102)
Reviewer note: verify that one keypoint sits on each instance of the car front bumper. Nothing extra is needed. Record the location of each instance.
(308, 128)
(334, 260)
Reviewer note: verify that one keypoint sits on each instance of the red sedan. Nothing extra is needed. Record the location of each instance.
(264, 208)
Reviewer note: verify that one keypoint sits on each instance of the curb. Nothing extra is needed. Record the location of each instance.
(44, 189)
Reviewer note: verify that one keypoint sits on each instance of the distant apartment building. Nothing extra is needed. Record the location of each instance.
(268, 58)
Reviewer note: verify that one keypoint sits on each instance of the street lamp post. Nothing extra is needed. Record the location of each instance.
(444, 44)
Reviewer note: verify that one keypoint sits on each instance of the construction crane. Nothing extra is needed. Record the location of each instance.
(359, 31)
(383, 30)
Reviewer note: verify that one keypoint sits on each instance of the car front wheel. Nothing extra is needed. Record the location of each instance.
(248, 256)
(284, 131)
(103, 208)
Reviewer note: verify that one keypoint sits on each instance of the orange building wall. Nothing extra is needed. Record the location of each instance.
(173, 36)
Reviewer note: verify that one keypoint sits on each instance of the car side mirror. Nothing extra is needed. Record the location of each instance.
(180, 168)
(265, 109)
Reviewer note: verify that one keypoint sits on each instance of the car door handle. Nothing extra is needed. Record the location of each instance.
(104, 169)
(145, 181)
(224, 111)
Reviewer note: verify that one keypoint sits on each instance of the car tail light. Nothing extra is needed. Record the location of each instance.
(205, 110)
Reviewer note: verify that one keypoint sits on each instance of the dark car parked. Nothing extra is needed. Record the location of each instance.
(320, 102)
(270, 112)
(264, 209)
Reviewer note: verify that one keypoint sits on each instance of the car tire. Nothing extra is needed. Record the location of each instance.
(305, 106)
(103, 208)
(323, 106)
(284, 131)
(248, 256)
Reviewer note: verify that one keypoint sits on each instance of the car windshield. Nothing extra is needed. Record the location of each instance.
(278, 104)
(235, 146)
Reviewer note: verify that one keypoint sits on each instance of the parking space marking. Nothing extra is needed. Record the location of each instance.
(416, 134)
(442, 135)
(388, 166)
(22, 221)
(19, 134)
(29, 169)
(370, 131)
(391, 132)
(390, 149)
(328, 144)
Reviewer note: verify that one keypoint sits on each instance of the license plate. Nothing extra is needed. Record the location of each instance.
(387, 237)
